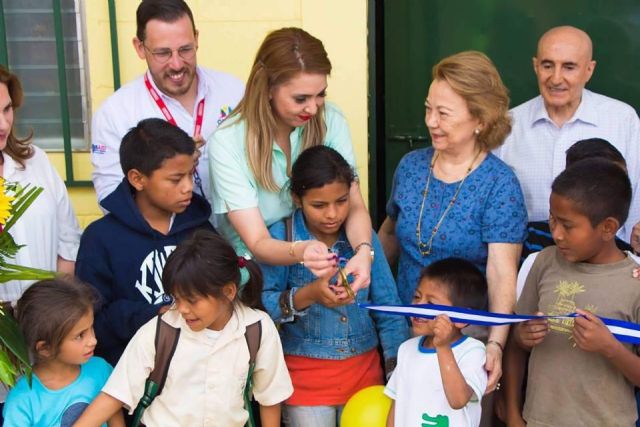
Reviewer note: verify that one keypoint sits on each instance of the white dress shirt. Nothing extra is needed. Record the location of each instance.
(536, 148)
(132, 103)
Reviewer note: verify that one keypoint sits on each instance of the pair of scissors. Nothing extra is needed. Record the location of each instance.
(344, 282)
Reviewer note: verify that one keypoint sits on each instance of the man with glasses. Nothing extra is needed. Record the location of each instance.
(174, 88)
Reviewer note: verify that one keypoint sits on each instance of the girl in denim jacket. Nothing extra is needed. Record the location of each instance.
(330, 344)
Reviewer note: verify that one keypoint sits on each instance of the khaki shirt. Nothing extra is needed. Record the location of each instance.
(568, 386)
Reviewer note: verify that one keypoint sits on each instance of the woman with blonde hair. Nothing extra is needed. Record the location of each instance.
(282, 113)
(456, 199)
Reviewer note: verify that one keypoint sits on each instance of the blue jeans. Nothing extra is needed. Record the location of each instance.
(311, 416)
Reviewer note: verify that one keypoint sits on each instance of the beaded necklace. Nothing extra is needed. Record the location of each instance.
(425, 248)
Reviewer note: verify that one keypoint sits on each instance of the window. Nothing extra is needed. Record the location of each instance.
(39, 36)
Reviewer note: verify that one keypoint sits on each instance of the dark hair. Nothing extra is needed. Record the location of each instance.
(594, 148)
(19, 149)
(152, 142)
(49, 309)
(206, 262)
(162, 10)
(599, 188)
(318, 166)
(465, 283)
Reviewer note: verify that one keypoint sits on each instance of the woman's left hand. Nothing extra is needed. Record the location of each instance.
(493, 367)
(359, 266)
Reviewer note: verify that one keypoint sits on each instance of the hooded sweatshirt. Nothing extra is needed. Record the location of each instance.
(122, 257)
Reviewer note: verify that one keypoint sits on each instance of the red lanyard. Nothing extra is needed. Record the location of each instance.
(167, 114)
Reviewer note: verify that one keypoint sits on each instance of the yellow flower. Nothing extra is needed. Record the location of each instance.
(5, 204)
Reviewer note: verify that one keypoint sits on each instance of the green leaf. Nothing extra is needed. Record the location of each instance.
(16, 272)
(8, 246)
(12, 338)
(8, 372)
(14, 343)
(21, 204)
(14, 355)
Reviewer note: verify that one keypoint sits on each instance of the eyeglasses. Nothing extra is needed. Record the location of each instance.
(163, 56)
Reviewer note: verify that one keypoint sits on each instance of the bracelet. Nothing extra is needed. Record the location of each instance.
(290, 296)
(292, 248)
(371, 251)
(496, 343)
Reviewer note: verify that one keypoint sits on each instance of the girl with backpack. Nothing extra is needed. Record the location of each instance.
(217, 299)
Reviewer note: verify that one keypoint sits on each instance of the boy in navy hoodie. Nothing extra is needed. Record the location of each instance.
(152, 210)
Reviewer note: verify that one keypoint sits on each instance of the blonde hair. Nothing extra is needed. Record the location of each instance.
(473, 76)
(284, 53)
(19, 149)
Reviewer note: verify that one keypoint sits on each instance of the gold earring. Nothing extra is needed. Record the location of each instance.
(477, 131)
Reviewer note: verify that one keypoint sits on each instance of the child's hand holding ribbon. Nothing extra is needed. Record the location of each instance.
(532, 332)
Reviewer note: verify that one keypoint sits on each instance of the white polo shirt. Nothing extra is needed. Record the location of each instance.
(132, 103)
(536, 148)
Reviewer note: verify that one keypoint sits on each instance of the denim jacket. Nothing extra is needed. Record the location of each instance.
(340, 332)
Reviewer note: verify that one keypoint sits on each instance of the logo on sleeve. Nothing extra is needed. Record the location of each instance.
(98, 148)
(150, 282)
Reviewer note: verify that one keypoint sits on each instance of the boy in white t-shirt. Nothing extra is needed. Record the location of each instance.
(440, 376)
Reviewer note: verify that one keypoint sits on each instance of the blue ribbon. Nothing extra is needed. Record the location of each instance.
(623, 331)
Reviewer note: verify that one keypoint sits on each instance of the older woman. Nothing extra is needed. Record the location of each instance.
(456, 198)
(283, 112)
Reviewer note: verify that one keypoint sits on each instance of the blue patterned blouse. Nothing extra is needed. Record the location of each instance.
(489, 209)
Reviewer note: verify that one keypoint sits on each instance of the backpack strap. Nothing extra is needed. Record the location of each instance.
(166, 341)
(253, 335)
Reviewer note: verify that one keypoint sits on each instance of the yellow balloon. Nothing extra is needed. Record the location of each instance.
(367, 408)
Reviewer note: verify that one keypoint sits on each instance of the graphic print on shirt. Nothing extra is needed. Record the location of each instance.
(437, 421)
(565, 303)
(150, 282)
(225, 110)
